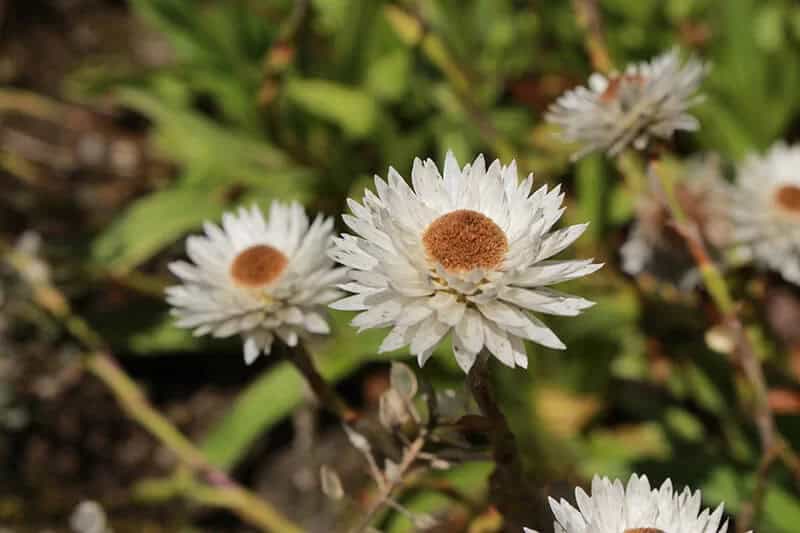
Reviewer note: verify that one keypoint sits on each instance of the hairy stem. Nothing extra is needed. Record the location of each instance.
(508, 487)
(327, 396)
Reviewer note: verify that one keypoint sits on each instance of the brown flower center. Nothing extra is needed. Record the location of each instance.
(258, 266)
(788, 199)
(644, 530)
(464, 240)
(618, 83)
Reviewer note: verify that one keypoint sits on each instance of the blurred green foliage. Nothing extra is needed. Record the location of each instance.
(277, 99)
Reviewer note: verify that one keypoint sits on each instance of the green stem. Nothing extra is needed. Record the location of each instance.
(220, 490)
(720, 294)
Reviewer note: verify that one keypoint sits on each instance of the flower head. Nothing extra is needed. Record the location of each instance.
(258, 278)
(649, 99)
(636, 508)
(466, 252)
(764, 210)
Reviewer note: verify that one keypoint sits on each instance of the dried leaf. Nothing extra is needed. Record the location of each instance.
(392, 409)
(403, 380)
(331, 484)
(358, 440)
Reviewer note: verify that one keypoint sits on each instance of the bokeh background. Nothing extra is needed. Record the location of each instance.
(125, 124)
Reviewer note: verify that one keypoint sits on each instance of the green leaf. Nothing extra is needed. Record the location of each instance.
(150, 224)
(593, 194)
(781, 511)
(207, 147)
(354, 110)
(388, 76)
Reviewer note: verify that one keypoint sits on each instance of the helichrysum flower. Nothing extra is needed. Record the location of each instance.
(636, 508)
(258, 278)
(466, 252)
(764, 210)
(649, 99)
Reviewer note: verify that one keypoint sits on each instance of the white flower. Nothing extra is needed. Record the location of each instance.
(612, 508)
(258, 278)
(466, 252)
(764, 210)
(649, 99)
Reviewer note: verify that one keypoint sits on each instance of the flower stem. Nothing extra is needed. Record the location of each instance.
(587, 13)
(326, 395)
(508, 488)
(748, 359)
(720, 294)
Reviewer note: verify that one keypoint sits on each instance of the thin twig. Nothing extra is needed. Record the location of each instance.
(718, 289)
(751, 508)
(387, 491)
(328, 398)
(746, 355)
(587, 13)
(219, 489)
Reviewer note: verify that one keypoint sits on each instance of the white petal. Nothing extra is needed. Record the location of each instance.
(428, 336)
(497, 342)
(470, 331)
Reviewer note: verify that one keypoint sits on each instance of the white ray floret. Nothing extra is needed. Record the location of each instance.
(466, 252)
(259, 278)
(649, 99)
(635, 508)
(763, 208)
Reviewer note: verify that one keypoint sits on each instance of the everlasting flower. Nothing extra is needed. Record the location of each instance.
(649, 99)
(258, 278)
(612, 508)
(467, 252)
(764, 209)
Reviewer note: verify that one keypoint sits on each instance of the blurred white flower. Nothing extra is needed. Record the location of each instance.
(467, 252)
(89, 517)
(764, 210)
(32, 268)
(653, 247)
(635, 509)
(650, 99)
(258, 278)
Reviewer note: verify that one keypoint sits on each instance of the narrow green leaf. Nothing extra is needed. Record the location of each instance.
(150, 224)
(354, 110)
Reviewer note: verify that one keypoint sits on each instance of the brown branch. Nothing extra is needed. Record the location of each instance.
(509, 490)
(388, 489)
(327, 396)
(587, 13)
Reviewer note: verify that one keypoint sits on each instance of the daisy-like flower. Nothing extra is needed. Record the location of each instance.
(636, 508)
(650, 99)
(467, 252)
(764, 210)
(258, 278)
